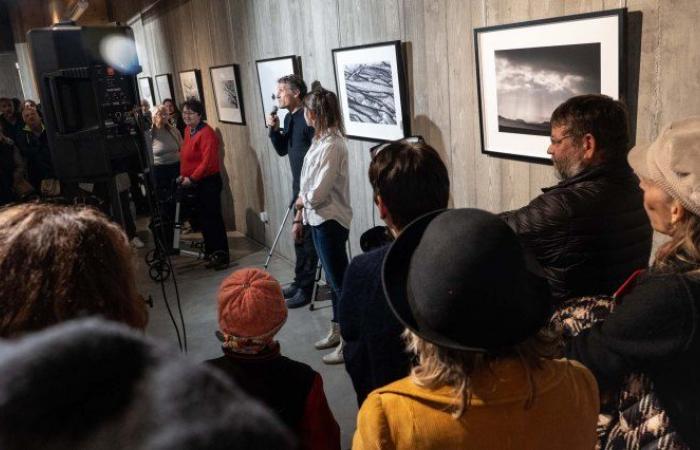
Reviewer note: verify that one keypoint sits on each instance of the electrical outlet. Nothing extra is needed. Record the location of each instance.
(263, 217)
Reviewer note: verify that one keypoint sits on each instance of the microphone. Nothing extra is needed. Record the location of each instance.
(274, 110)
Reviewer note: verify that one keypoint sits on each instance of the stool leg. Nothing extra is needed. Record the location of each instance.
(314, 292)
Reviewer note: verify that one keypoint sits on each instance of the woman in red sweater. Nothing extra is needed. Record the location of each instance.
(199, 170)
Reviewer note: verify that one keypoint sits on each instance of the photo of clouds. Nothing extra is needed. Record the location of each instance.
(532, 82)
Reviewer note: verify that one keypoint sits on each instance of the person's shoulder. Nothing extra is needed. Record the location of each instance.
(296, 366)
(369, 262)
(574, 373)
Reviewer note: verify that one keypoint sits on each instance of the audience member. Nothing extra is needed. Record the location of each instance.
(59, 263)
(199, 170)
(294, 141)
(164, 142)
(123, 180)
(146, 113)
(324, 201)
(648, 348)
(465, 290)
(95, 385)
(10, 118)
(408, 180)
(13, 184)
(251, 312)
(174, 116)
(34, 147)
(589, 232)
(29, 103)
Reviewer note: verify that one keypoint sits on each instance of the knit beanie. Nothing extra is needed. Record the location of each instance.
(672, 161)
(251, 310)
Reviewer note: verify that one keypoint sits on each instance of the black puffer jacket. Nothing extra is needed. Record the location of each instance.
(589, 232)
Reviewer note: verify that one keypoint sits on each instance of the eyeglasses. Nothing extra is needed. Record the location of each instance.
(560, 140)
(189, 113)
(374, 151)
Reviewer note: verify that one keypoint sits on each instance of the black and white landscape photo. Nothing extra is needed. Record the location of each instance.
(226, 81)
(370, 93)
(532, 82)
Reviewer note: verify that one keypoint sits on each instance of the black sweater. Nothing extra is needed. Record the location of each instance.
(653, 330)
(293, 140)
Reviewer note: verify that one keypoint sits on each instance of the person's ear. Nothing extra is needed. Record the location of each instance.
(381, 207)
(677, 212)
(589, 147)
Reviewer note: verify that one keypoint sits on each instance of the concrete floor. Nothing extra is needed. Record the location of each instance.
(198, 286)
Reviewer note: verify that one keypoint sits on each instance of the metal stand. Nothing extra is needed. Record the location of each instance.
(277, 238)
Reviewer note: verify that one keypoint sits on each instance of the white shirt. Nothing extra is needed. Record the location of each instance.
(324, 186)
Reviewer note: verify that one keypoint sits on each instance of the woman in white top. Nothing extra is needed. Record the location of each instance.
(324, 197)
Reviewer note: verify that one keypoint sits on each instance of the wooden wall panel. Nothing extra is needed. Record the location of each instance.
(10, 85)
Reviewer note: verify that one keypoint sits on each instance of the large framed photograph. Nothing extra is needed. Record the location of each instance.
(372, 91)
(191, 85)
(525, 70)
(164, 86)
(226, 81)
(269, 71)
(146, 90)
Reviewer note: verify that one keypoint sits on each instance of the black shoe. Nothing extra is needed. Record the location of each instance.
(217, 263)
(290, 291)
(300, 299)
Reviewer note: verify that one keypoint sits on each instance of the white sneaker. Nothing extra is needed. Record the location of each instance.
(336, 356)
(331, 340)
(137, 243)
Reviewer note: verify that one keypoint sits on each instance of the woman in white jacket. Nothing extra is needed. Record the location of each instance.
(324, 200)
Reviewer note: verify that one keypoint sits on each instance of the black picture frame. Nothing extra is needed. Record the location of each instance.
(230, 114)
(524, 137)
(188, 90)
(269, 70)
(367, 127)
(167, 79)
(149, 85)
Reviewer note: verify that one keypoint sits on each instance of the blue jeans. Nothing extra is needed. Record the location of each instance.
(329, 239)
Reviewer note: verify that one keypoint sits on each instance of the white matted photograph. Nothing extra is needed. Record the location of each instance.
(164, 86)
(191, 85)
(372, 92)
(269, 71)
(525, 70)
(146, 90)
(226, 82)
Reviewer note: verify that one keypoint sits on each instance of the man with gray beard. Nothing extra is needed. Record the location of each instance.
(589, 232)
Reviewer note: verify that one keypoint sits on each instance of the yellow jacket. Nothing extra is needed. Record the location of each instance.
(563, 416)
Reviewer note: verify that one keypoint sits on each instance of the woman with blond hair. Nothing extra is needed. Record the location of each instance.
(485, 378)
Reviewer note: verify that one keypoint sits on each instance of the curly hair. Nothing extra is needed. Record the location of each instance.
(60, 263)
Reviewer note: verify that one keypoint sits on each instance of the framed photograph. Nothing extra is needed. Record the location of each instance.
(372, 91)
(269, 71)
(525, 70)
(191, 84)
(146, 90)
(164, 86)
(226, 81)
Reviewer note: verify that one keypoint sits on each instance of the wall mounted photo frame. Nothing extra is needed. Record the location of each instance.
(371, 85)
(191, 85)
(269, 71)
(146, 90)
(164, 86)
(226, 82)
(525, 70)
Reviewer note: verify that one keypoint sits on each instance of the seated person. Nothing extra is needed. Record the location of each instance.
(409, 180)
(474, 312)
(647, 349)
(251, 311)
(94, 385)
(60, 263)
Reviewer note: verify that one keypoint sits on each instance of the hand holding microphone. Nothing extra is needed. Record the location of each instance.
(272, 120)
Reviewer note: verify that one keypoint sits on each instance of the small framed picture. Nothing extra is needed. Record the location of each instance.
(164, 86)
(372, 91)
(191, 85)
(146, 90)
(525, 70)
(269, 71)
(226, 81)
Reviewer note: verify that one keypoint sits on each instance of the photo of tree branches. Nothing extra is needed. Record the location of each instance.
(370, 92)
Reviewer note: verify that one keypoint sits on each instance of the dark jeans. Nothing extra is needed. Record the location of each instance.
(329, 239)
(208, 205)
(164, 177)
(306, 262)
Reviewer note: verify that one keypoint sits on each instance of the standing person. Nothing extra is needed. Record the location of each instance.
(13, 184)
(324, 201)
(199, 170)
(408, 179)
(647, 349)
(34, 147)
(146, 113)
(10, 118)
(589, 232)
(164, 142)
(174, 116)
(486, 376)
(294, 140)
(251, 312)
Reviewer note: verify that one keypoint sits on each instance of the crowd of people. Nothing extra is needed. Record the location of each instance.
(543, 327)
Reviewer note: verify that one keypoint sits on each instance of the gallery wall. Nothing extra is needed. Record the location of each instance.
(177, 35)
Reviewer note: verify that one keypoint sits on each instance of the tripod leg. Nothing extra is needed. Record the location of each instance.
(277, 238)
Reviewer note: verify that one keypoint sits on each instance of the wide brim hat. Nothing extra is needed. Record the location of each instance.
(460, 279)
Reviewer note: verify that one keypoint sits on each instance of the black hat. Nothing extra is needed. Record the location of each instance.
(460, 279)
